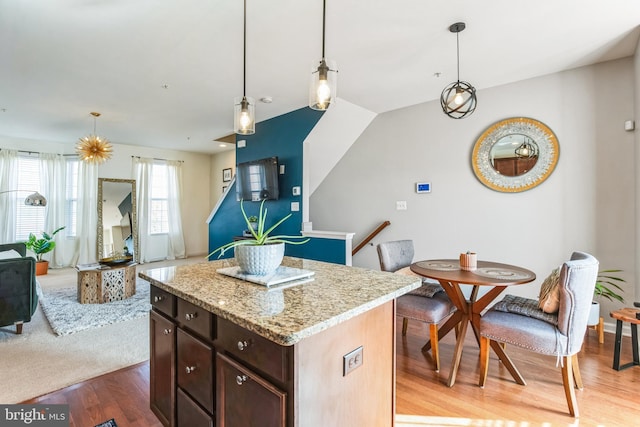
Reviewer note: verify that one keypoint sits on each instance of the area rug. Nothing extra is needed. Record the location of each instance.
(67, 316)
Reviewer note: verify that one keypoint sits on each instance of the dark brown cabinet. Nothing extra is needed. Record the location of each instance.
(246, 399)
(162, 368)
(209, 371)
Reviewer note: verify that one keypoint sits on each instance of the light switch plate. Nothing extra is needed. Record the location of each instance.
(242, 143)
(296, 191)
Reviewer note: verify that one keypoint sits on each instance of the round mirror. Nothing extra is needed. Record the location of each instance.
(515, 154)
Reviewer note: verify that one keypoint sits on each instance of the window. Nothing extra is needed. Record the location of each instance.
(29, 219)
(159, 222)
(71, 208)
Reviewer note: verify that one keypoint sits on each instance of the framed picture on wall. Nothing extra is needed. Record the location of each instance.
(226, 175)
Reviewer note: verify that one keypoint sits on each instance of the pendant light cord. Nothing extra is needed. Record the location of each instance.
(244, 54)
(458, 52)
(324, 9)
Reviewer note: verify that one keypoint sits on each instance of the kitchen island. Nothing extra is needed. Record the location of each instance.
(227, 352)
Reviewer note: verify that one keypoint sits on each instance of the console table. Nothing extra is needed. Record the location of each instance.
(98, 283)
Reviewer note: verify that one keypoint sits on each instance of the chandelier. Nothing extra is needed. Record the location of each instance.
(92, 148)
(458, 99)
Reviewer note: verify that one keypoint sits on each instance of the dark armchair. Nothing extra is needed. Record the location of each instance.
(18, 297)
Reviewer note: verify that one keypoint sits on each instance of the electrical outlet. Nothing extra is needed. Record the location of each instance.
(401, 205)
(351, 361)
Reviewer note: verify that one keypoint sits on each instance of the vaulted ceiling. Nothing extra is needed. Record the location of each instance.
(164, 73)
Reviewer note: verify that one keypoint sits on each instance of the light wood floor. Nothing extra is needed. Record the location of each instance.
(610, 398)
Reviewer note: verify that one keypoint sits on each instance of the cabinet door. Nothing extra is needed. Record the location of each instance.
(245, 399)
(195, 369)
(162, 364)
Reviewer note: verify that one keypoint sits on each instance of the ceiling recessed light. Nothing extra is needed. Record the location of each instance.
(223, 145)
(266, 99)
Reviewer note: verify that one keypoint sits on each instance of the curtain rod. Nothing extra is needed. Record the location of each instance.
(37, 152)
(162, 160)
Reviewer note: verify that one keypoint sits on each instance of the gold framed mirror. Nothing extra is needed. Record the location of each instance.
(515, 154)
(117, 220)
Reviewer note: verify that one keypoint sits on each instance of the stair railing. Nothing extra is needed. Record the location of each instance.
(370, 237)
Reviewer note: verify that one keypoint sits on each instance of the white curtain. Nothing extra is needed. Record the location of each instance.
(174, 202)
(53, 184)
(8, 181)
(142, 169)
(87, 216)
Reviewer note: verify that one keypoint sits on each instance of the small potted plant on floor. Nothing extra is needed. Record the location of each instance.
(41, 246)
(607, 287)
(261, 253)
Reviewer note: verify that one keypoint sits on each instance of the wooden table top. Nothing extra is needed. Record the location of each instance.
(487, 274)
(626, 315)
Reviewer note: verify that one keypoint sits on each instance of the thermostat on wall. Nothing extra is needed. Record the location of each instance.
(423, 187)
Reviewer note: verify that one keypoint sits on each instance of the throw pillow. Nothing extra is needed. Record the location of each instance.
(549, 298)
(429, 286)
(526, 307)
(10, 254)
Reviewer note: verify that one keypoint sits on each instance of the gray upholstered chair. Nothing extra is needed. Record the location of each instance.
(429, 304)
(559, 335)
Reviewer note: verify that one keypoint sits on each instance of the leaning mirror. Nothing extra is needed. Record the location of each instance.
(515, 155)
(117, 220)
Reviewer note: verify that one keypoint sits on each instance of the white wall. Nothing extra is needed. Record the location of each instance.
(586, 204)
(196, 175)
(219, 162)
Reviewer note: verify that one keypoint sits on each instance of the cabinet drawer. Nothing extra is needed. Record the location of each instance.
(195, 318)
(195, 369)
(163, 301)
(262, 354)
(246, 399)
(190, 414)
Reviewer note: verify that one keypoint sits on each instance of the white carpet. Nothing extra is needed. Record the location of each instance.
(38, 361)
(67, 316)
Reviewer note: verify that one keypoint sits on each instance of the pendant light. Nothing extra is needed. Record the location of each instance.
(458, 99)
(92, 148)
(527, 149)
(324, 77)
(244, 109)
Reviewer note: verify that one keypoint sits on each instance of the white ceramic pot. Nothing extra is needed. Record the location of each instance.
(259, 260)
(594, 314)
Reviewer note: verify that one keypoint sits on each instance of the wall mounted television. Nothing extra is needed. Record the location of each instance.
(257, 180)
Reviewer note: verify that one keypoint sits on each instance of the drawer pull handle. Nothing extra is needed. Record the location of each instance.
(242, 345)
(241, 379)
(167, 331)
(158, 298)
(190, 316)
(190, 369)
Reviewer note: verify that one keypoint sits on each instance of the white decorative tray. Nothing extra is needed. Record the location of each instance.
(282, 275)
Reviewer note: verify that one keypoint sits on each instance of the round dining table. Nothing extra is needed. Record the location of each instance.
(493, 276)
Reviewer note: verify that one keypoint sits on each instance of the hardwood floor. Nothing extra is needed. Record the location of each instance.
(609, 398)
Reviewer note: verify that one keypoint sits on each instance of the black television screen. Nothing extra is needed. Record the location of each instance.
(258, 180)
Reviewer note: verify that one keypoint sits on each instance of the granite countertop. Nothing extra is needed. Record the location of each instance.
(284, 315)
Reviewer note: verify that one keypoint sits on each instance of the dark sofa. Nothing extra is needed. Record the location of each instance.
(18, 297)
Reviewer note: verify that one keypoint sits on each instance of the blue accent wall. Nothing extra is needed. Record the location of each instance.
(328, 250)
(281, 136)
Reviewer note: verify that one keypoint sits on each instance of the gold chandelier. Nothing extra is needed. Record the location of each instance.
(92, 148)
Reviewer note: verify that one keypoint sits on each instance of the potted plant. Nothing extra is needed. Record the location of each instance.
(607, 287)
(41, 246)
(261, 253)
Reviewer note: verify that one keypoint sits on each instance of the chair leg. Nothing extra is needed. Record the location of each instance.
(567, 381)
(19, 328)
(576, 372)
(601, 331)
(485, 344)
(435, 350)
(405, 322)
